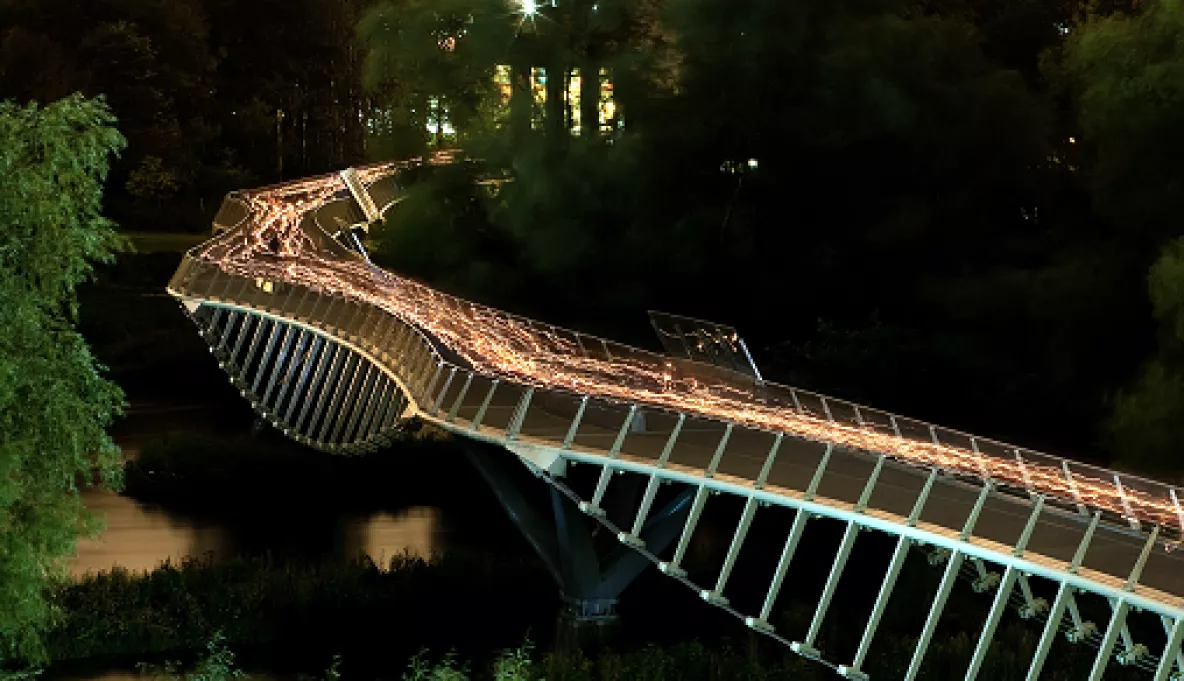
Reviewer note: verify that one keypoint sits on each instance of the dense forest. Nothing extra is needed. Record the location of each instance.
(957, 209)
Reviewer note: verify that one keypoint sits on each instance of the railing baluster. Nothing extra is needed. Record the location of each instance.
(330, 358)
(1179, 515)
(248, 360)
(443, 391)
(297, 366)
(575, 423)
(873, 621)
(768, 465)
(761, 622)
(314, 357)
(806, 648)
(606, 472)
(333, 416)
(889, 583)
(427, 393)
(1171, 650)
(1079, 557)
(1126, 504)
(476, 425)
(1073, 488)
(999, 604)
(1024, 475)
(796, 402)
(812, 489)
(460, 398)
(716, 595)
(231, 318)
(519, 417)
(276, 333)
(251, 321)
(1117, 619)
(953, 564)
(348, 404)
(277, 367)
(327, 390)
(983, 469)
(1137, 570)
(673, 567)
(633, 537)
(375, 407)
(1022, 544)
(719, 452)
(1050, 631)
(362, 406)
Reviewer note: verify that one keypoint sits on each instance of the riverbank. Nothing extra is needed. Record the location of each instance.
(349, 607)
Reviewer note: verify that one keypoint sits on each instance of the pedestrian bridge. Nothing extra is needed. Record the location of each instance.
(340, 355)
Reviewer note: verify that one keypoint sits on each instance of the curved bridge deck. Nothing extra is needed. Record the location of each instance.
(341, 373)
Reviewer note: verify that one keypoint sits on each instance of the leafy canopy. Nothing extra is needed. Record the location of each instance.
(54, 404)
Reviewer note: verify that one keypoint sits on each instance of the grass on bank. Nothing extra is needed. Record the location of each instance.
(685, 662)
(264, 602)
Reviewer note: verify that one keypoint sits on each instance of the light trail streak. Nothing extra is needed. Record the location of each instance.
(274, 244)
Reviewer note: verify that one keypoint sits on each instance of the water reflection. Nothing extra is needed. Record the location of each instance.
(139, 538)
(383, 536)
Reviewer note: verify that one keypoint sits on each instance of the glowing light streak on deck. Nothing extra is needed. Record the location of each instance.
(272, 245)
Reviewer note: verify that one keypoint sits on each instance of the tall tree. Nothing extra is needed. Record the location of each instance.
(1123, 71)
(54, 402)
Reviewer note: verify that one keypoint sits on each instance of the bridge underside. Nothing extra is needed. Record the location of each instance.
(313, 388)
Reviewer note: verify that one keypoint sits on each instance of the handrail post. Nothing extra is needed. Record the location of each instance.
(460, 397)
(519, 417)
(606, 473)
(1073, 488)
(633, 537)
(476, 425)
(443, 391)
(812, 489)
(761, 622)
(1126, 504)
(575, 423)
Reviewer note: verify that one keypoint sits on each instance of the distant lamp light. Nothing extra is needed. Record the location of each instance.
(752, 163)
(1072, 140)
(529, 7)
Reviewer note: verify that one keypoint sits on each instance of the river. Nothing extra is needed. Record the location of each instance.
(140, 536)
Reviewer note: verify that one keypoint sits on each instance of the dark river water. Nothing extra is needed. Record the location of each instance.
(140, 536)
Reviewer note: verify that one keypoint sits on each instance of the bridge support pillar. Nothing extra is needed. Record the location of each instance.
(590, 578)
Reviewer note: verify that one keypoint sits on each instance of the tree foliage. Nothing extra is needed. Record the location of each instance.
(54, 403)
(1124, 74)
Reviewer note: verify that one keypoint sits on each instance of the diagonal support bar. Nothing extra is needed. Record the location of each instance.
(1050, 631)
(806, 648)
(761, 623)
(674, 567)
(1117, 621)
